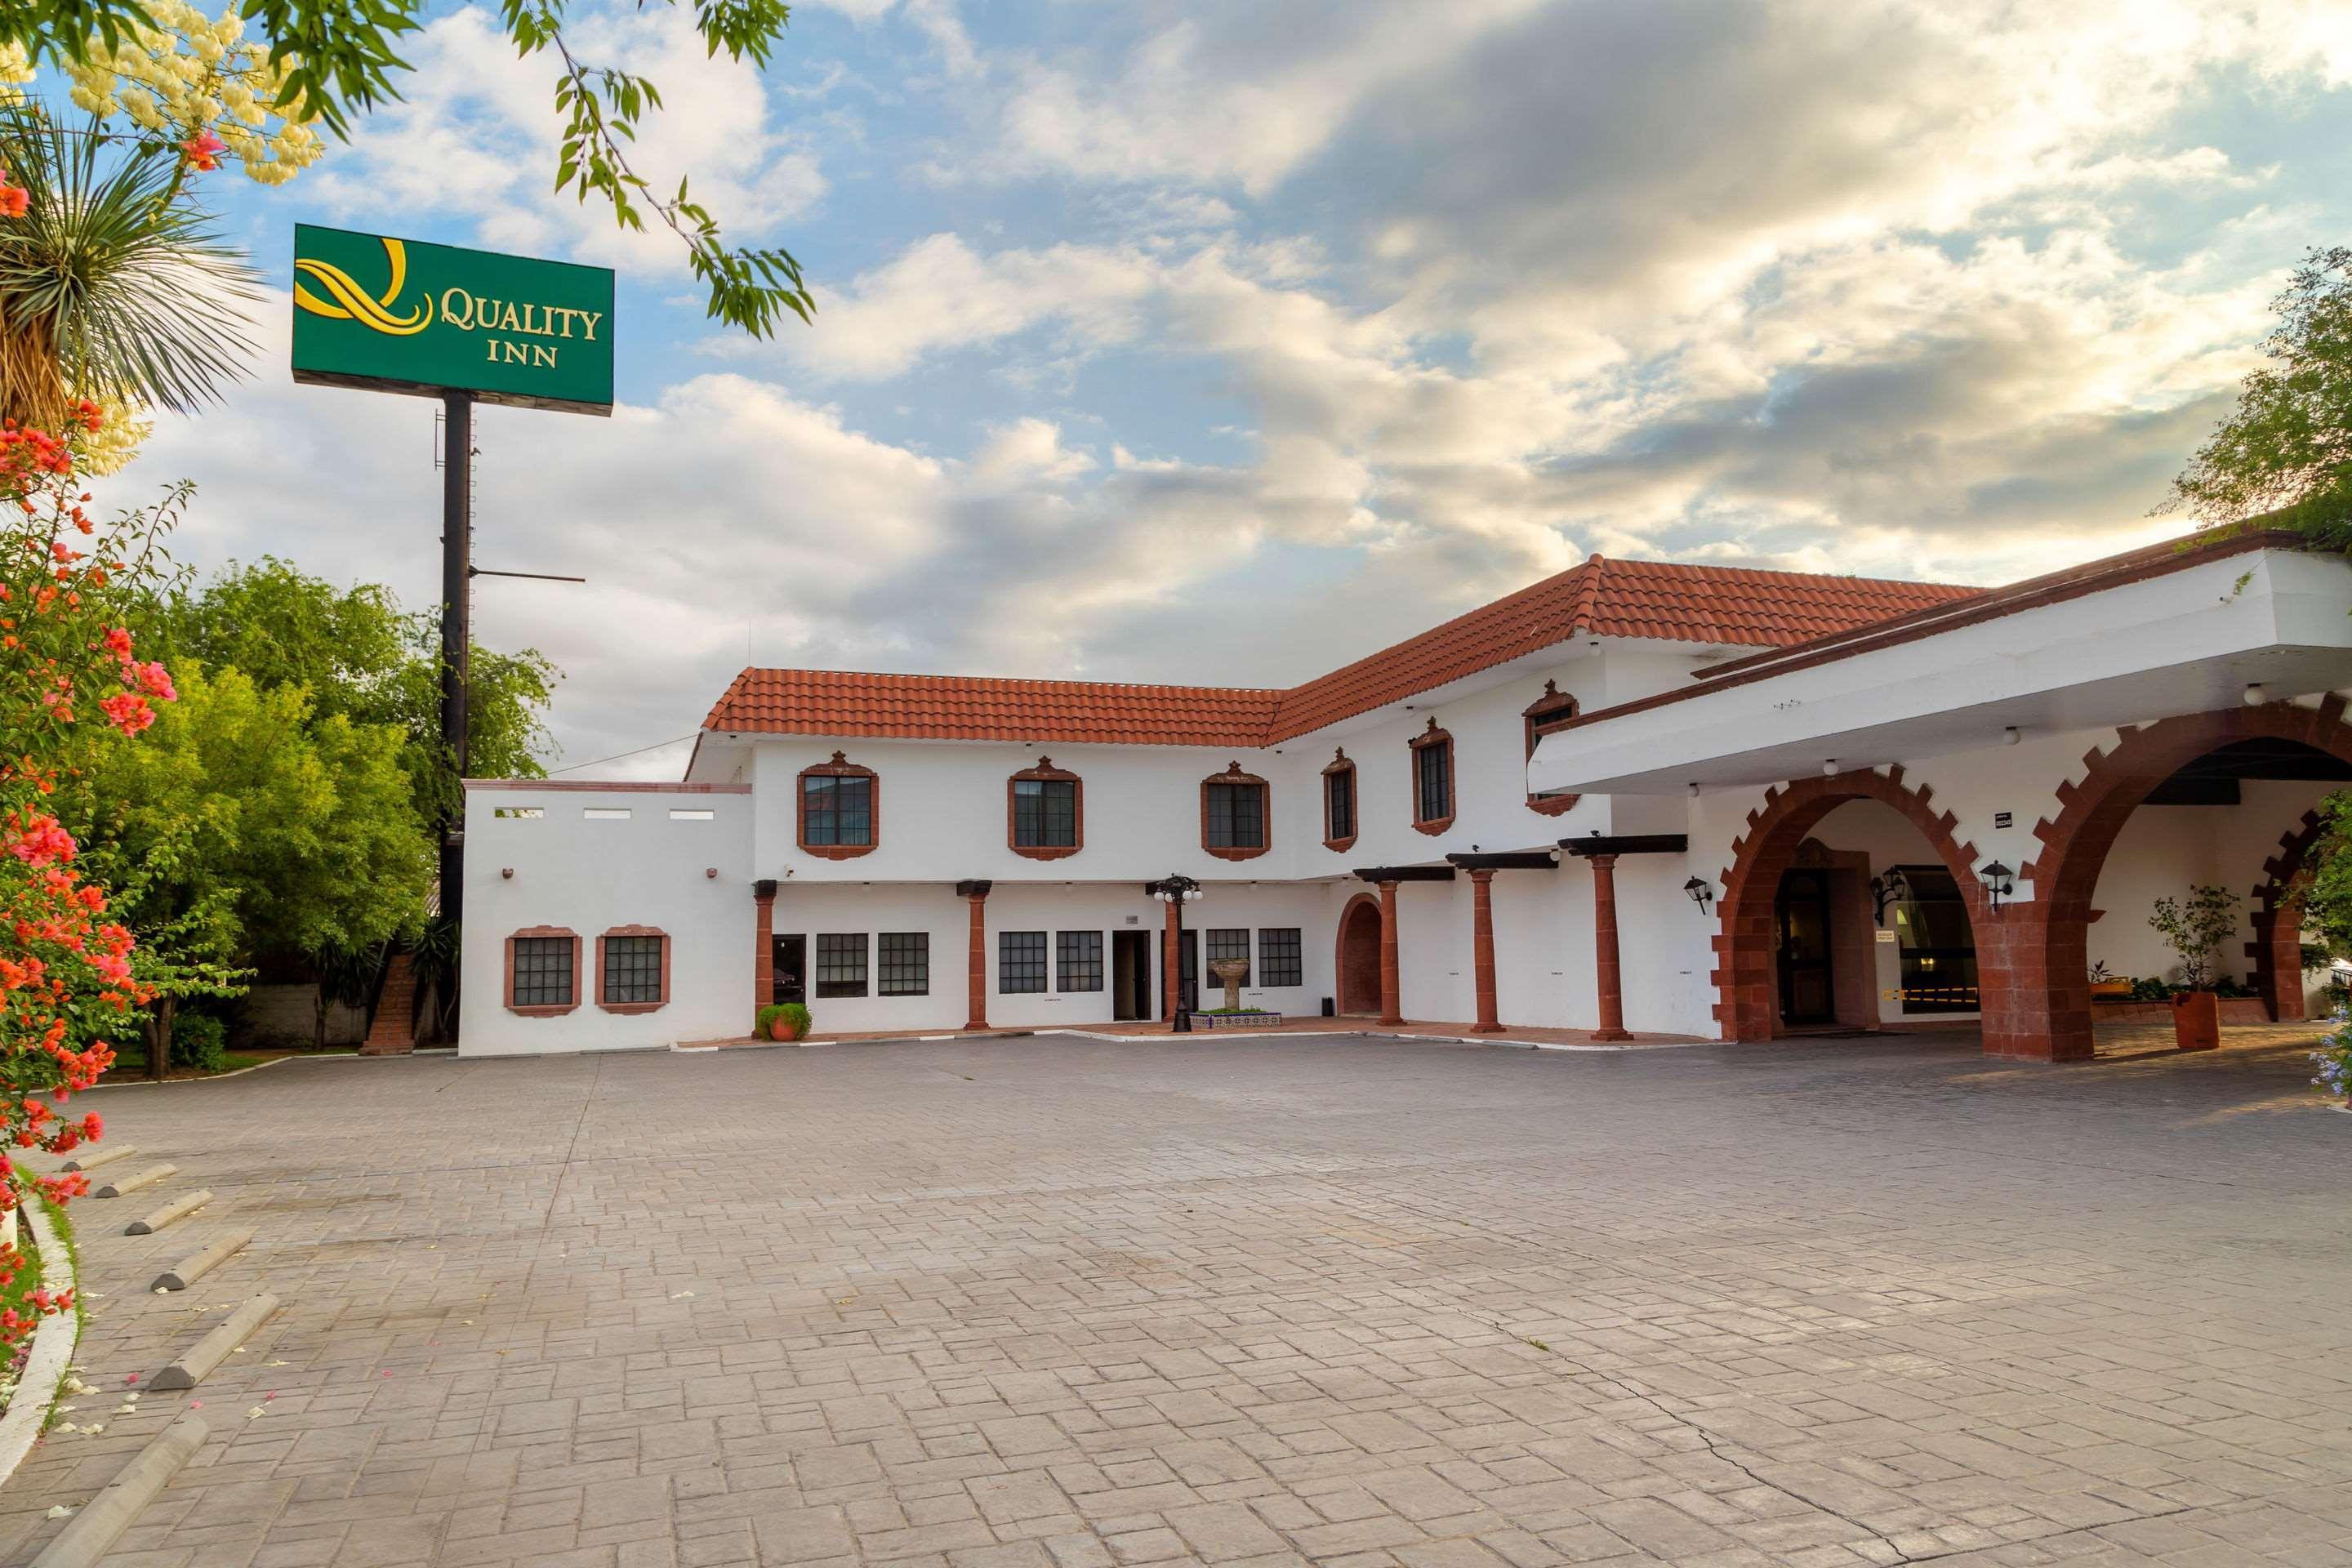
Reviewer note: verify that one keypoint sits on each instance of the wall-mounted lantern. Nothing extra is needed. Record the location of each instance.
(1885, 889)
(1700, 892)
(506, 873)
(1999, 881)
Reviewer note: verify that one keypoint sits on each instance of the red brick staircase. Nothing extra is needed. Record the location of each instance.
(393, 1031)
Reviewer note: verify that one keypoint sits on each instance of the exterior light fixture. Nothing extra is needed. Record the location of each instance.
(1691, 790)
(1885, 889)
(711, 872)
(507, 873)
(1700, 893)
(2009, 737)
(2255, 695)
(1999, 881)
(1829, 767)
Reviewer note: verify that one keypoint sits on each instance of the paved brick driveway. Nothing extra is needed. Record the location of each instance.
(1046, 1301)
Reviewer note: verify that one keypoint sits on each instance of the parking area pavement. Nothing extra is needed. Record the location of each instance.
(1037, 1302)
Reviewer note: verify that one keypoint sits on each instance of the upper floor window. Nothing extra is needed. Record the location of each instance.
(1044, 812)
(1234, 815)
(1432, 780)
(838, 809)
(1340, 802)
(1552, 710)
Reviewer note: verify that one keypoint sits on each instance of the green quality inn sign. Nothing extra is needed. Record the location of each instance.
(403, 316)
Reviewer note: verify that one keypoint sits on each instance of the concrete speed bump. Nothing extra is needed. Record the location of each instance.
(136, 1180)
(178, 1208)
(214, 1348)
(97, 1157)
(94, 1531)
(188, 1270)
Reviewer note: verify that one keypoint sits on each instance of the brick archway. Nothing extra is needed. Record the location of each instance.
(2048, 937)
(2277, 919)
(1356, 957)
(1747, 983)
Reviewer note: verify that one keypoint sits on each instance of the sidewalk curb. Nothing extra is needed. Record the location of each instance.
(52, 1352)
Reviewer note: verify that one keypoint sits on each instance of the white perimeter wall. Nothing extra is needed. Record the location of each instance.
(590, 875)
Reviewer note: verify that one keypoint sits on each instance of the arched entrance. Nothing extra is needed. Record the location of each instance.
(2048, 939)
(1750, 974)
(1357, 959)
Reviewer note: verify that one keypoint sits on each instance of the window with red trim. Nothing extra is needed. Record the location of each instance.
(633, 969)
(1548, 712)
(1432, 780)
(1045, 812)
(1340, 802)
(543, 978)
(1235, 824)
(840, 809)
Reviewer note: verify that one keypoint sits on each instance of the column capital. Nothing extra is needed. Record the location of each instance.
(973, 889)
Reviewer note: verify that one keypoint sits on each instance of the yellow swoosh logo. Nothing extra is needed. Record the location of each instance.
(353, 303)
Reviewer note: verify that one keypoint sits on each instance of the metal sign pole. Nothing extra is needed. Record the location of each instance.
(456, 630)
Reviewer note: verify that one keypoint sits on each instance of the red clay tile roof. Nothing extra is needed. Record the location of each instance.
(1720, 605)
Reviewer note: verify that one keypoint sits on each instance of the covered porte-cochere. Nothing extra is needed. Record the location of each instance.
(1981, 815)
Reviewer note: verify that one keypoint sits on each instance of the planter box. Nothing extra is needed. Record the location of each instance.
(1236, 1020)
(2197, 1021)
(2233, 1010)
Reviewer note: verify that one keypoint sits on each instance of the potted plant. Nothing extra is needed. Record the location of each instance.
(2105, 987)
(785, 1021)
(2195, 928)
(2334, 1060)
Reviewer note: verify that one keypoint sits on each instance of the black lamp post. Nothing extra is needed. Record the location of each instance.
(1176, 889)
(1700, 893)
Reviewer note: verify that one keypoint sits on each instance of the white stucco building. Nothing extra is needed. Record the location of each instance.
(1634, 796)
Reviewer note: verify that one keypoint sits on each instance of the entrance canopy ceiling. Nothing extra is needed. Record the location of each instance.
(2137, 639)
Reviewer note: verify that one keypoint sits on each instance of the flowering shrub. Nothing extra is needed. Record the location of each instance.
(67, 585)
(2334, 1059)
(196, 83)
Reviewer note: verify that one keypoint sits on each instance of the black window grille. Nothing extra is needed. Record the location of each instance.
(1236, 816)
(632, 968)
(1433, 772)
(1020, 962)
(1279, 956)
(904, 958)
(1078, 960)
(1340, 802)
(837, 809)
(1045, 812)
(542, 971)
(1228, 941)
(841, 963)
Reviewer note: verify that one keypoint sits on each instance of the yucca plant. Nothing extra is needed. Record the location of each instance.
(113, 286)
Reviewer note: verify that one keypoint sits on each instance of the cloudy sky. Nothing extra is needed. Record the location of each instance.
(1221, 342)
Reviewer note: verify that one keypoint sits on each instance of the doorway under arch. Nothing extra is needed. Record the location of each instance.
(1357, 961)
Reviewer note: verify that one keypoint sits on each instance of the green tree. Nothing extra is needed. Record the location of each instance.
(258, 826)
(327, 60)
(2284, 457)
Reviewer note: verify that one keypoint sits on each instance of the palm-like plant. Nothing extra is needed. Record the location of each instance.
(112, 285)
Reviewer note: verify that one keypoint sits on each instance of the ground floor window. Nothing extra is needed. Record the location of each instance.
(905, 958)
(543, 969)
(841, 963)
(1231, 941)
(1278, 959)
(634, 966)
(1020, 962)
(1078, 960)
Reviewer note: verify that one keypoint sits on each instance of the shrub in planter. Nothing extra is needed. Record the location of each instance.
(785, 1021)
(2334, 1060)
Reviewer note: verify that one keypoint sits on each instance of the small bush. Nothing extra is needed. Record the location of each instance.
(796, 1018)
(199, 1042)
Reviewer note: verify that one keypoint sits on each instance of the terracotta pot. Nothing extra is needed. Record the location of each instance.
(781, 1029)
(2197, 1021)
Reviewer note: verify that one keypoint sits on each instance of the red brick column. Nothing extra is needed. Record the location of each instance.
(1390, 1011)
(976, 963)
(764, 957)
(1172, 959)
(1607, 977)
(1482, 950)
